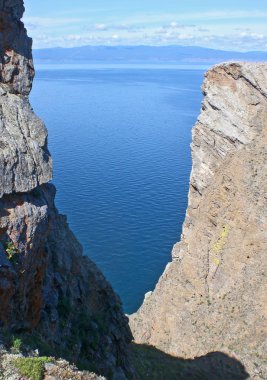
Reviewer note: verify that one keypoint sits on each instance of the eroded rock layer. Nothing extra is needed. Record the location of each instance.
(51, 296)
(25, 162)
(212, 296)
(16, 64)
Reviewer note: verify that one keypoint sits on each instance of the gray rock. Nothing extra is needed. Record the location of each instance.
(212, 296)
(233, 115)
(25, 162)
(16, 66)
(47, 286)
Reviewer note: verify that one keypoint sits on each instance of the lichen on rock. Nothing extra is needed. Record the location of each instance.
(212, 296)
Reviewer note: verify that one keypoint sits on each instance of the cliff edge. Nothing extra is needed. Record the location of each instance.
(212, 296)
(52, 297)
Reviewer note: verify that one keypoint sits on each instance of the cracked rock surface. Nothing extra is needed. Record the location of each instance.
(25, 162)
(16, 64)
(50, 293)
(212, 296)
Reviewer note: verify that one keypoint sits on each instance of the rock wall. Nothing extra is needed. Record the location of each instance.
(212, 296)
(16, 64)
(50, 293)
(25, 162)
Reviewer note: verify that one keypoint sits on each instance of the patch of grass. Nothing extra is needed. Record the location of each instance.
(35, 341)
(23, 342)
(33, 368)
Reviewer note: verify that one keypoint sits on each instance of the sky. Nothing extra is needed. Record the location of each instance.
(239, 25)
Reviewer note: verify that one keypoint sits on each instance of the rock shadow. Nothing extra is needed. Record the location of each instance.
(13, 36)
(153, 364)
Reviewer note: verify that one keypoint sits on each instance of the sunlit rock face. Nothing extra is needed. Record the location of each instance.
(15, 48)
(212, 296)
(25, 162)
(49, 291)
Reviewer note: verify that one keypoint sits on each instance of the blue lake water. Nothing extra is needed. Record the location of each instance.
(120, 140)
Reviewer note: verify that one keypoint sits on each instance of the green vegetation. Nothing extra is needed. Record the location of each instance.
(22, 342)
(33, 368)
(80, 330)
(34, 340)
(11, 250)
(83, 333)
(16, 344)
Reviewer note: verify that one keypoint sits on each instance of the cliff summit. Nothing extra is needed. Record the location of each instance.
(212, 296)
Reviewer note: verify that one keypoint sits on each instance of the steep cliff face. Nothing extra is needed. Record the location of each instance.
(17, 70)
(25, 162)
(49, 292)
(212, 296)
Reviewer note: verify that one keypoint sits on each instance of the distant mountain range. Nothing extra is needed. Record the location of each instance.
(143, 54)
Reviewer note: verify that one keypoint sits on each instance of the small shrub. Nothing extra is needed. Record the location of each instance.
(33, 368)
(16, 345)
(35, 341)
(11, 250)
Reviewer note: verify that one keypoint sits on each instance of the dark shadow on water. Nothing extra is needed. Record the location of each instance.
(153, 364)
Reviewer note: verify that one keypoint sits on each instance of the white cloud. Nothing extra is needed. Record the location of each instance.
(203, 16)
(255, 36)
(100, 27)
(50, 21)
(183, 29)
(240, 41)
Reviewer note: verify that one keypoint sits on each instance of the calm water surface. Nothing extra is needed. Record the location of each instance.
(120, 142)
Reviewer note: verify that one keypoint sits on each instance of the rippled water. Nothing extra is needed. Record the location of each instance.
(120, 143)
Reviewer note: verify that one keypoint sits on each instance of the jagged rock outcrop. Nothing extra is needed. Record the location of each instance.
(50, 293)
(18, 363)
(212, 296)
(16, 63)
(25, 162)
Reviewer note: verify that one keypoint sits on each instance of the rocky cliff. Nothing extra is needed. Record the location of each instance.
(51, 296)
(212, 296)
